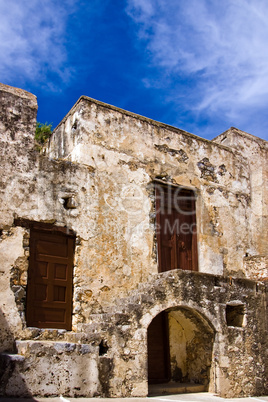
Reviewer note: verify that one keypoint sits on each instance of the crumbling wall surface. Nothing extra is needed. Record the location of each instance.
(237, 357)
(256, 267)
(256, 151)
(56, 183)
(11, 251)
(128, 152)
(17, 183)
(109, 355)
(33, 188)
(97, 180)
(191, 340)
(18, 157)
(265, 325)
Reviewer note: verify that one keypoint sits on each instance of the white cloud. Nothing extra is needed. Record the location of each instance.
(221, 48)
(32, 40)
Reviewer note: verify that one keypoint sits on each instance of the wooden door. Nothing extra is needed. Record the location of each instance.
(158, 350)
(176, 228)
(49, 289)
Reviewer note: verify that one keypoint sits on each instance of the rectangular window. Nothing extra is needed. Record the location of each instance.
(49, 288)
(175, 228)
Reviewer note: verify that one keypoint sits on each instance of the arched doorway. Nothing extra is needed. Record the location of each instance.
(180, 343)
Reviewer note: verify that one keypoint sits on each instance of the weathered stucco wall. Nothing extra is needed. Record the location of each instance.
(128, 152)
(96, 178)
(256, 152)
(18, 159)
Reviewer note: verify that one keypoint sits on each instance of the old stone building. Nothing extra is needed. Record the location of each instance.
(132, 255)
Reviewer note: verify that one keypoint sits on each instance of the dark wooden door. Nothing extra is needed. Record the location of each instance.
(49, 289)
(176, 228)
(158, 350)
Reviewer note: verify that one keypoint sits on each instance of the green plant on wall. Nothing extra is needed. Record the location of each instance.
(42, 134)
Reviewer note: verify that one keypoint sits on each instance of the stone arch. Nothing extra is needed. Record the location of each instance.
(212, 320)
(192, 294)
(180, 343)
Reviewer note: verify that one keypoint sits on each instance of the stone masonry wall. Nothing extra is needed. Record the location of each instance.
(96, 179)
(128, 153)
(237, 360)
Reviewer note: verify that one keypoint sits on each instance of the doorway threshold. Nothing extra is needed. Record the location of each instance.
(175, 388)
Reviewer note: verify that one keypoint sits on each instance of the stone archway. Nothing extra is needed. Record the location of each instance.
(180, 344)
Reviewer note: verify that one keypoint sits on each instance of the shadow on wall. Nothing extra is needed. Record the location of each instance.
(11, 381)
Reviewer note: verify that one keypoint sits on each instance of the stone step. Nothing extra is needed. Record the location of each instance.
(12, 357)
(59, 366)
(175, 388)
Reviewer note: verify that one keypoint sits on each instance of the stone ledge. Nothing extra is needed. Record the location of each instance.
(21, 93)
(47, 347)
(13, 357)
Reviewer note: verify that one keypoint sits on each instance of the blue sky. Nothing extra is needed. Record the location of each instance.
(200, 65)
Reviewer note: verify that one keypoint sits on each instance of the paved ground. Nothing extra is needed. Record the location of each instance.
(198, 397)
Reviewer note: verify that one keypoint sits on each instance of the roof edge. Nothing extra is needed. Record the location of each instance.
(142, 118)
(21, 93)
(235, 130)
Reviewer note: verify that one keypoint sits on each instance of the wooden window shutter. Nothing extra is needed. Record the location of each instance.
(50, 279)
(175, 228)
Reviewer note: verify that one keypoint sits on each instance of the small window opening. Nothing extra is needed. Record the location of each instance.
(69, 203)
(74, 126)
(235, 315)
(103, 348)
(217, 282)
